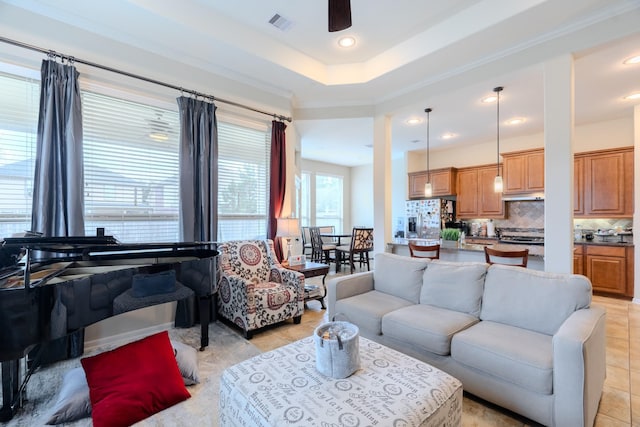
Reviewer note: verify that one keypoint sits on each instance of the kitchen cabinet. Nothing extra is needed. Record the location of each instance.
(578, 186)
(443, 183)
(476, 197)
(607, 184)
(523, 172)
(609, 268)
(578, 259)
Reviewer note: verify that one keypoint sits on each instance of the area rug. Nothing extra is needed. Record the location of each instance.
(225, 348)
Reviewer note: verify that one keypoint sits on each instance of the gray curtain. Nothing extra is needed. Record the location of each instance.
(198, 170)
(58, 185)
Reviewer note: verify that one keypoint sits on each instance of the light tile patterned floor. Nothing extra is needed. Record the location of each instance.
(620, 403)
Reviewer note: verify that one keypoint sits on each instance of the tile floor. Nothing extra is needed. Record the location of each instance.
(620, 403)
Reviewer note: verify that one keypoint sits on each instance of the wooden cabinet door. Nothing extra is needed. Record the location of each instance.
(535, 171)
(467, 200)
(604, 184)
(606, 268)
(514, 174)
(578, 186)
(490, 204)
(443, 182)
(523, 172)
(578, 259)
(416, 184)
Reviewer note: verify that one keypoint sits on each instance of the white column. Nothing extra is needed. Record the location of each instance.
(558, 164)
(636, 202)
(382, 223)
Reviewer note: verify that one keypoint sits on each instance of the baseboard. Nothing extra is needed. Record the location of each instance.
(126, 337)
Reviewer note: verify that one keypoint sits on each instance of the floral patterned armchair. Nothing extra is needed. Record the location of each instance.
(254, 290)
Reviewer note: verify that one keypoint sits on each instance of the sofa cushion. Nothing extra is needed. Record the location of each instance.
(534, 300)
(399, 276)
(454, 285)
(366, 310)
(425, 326)
(512, 354)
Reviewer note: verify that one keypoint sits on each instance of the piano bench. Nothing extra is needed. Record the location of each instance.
(127, 302)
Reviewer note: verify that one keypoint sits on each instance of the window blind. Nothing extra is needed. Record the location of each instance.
(243, 181)
(131, 169)
(19, 106)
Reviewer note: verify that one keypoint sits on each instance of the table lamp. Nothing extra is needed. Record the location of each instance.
(287, 229)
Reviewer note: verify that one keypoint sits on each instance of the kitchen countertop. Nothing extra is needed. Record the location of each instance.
(534, 250)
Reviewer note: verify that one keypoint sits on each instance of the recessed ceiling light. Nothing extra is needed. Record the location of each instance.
(632, 60)
(347, 41)
(489, 99)
(414, 121)
(448, 135)
(516, 121)
(633, 96)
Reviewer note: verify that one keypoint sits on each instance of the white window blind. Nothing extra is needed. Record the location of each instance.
(131, 169)
(19, 104)
(243, 181)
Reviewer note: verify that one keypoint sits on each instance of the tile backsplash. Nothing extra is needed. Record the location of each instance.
(530, 214)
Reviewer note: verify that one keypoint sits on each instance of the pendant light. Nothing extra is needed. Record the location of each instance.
(428, 189)
(497, 183)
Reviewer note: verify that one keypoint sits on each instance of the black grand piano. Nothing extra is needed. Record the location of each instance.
(67, 283)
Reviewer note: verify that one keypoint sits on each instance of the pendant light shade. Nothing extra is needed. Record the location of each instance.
(428, 189)
(497, 183)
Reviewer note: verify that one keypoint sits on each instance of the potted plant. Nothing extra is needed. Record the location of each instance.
(450, 237)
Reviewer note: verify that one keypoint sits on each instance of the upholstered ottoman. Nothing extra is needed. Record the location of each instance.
(282, 387)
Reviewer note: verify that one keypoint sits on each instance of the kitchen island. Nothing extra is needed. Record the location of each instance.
(471, 251)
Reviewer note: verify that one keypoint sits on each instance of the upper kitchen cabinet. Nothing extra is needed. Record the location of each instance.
(476, 197)
(523, 172)
(607, 183)
(443, 183)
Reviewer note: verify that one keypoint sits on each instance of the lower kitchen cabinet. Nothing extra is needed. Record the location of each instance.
(610, 268)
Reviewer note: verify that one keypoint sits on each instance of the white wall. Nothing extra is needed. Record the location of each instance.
(362, 196)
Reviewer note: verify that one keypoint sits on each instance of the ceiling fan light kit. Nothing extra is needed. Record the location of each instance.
(339, 15)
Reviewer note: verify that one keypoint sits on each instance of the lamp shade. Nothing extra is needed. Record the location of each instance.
(288, 227)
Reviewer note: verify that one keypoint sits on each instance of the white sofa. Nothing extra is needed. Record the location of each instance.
(526, 340)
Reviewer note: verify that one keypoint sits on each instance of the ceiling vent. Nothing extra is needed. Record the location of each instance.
(280, 22)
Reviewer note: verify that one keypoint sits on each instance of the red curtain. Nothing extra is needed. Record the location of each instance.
(278, 180)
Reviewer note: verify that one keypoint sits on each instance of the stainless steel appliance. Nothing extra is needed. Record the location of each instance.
(522, 236)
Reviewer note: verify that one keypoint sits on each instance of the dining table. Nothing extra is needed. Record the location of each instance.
(336, 236)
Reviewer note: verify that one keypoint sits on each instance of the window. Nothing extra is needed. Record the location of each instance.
(326, 193)
(243, 181)
(131, 169)
(305, 203)
(329, 201)
(19, 105)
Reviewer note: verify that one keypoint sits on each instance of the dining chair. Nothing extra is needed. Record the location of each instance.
(424, 251)
(306, 241)
(360, 246)
(327, 229)
(320, 251)
(496, 256)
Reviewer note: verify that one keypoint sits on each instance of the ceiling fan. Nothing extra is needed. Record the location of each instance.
(339, 15)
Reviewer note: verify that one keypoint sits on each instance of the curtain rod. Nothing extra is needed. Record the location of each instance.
(53, 53)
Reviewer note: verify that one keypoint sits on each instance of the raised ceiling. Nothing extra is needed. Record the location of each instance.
(409, 54)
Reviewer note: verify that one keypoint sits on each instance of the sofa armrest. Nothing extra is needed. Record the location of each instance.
(347, 286)
(579, 367)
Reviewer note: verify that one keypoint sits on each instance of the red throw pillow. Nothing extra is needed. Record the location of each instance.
(133, 382)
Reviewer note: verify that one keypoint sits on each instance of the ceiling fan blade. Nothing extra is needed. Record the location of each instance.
(339, 15)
